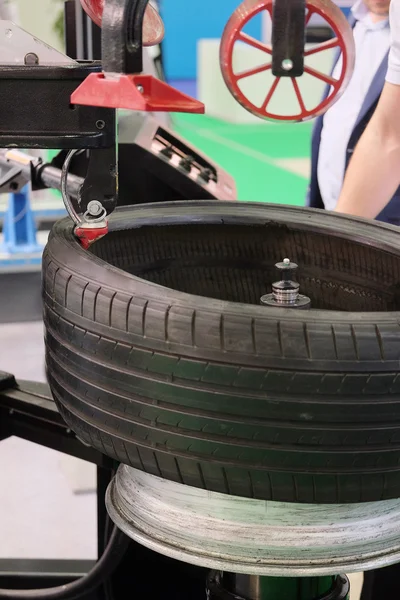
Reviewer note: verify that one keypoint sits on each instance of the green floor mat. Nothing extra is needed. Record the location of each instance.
(269, 161)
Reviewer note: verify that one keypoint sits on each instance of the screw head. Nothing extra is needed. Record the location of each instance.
(286, 261)
(94, 208)
(287, 64)
(140, 88)
(31, 59)
(100, 124)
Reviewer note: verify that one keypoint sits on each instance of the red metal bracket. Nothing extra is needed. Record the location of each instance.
(134, 92)
(88, 235)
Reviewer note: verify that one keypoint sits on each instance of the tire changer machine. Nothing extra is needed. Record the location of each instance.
(250, 549)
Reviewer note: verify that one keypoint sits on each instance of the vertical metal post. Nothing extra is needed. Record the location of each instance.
(82, 36)
(70, 29)
(103, 479)
(19, 229)
(288, 38)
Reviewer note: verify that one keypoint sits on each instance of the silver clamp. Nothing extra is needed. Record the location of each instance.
(286, 292)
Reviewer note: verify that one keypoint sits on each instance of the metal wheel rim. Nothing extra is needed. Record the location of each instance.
(257, 537)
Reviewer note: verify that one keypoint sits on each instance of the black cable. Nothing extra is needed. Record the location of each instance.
(107, 585)
(102, 570)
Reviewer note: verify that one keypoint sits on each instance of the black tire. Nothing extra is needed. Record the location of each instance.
(213, 390)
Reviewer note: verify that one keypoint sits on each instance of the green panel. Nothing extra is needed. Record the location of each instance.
(295, 588)
(248, 152)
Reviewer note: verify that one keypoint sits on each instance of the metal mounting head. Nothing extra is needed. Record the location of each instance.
(285, 293)
(287, 269)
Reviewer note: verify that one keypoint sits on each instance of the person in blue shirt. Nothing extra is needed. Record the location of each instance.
(337, 133)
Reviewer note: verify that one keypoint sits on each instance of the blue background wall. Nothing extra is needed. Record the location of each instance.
(187, 21)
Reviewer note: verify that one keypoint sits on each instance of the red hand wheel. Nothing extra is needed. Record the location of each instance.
(342, 41)
(153, 27)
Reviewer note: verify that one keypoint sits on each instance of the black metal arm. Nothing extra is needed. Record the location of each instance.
(122, 36)
(28, 411)
(288, 38)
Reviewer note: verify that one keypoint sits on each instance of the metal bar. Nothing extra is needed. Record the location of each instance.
(38, 568)
(122, 36)
(96, 42)
(90, 48)
(43, 175)
(101, 181)
(70, 29)
(87, 37)
(29, 412)
(62, 125)
(103, 531)
(288, 38)
(80, 44)
(50, 177)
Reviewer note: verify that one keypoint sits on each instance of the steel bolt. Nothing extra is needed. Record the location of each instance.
(31, 59)
(100, 124)
(95, 208)
(286, 292)
(140, 89)
(287, 64)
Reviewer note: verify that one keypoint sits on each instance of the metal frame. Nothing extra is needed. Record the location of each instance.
(28, 411)
(64, 126)
(82, 36)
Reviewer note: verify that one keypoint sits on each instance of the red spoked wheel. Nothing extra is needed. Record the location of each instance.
(153, 27)
(342, 41)
(94, 8)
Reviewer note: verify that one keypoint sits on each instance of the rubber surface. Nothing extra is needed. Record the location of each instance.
(197, 383)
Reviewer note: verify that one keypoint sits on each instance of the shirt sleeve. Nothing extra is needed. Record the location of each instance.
(393, 73)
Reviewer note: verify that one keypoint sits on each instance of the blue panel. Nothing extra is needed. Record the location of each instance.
(19, 226)
(186, 23)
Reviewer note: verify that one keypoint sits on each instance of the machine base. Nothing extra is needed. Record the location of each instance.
(228, 586)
